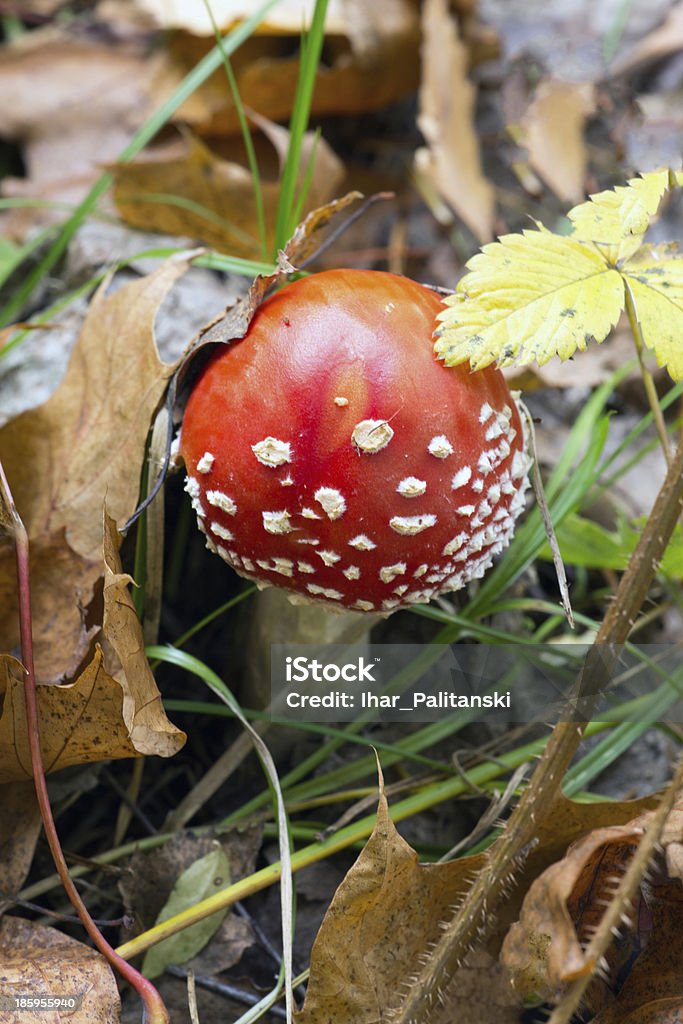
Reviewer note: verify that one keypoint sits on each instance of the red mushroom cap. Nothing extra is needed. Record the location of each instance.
(330, 453)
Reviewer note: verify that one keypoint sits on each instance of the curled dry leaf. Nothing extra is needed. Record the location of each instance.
(544, 949)
(663, 41)
(187, 190)
(234, 322)
(112, 710)
(452, 161)
(40, 961)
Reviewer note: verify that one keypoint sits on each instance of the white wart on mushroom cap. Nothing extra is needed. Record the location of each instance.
(330, 453)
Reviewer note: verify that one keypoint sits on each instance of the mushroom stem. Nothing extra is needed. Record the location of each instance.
(277, 621)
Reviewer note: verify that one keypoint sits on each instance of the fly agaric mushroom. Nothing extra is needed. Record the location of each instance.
(329, 453)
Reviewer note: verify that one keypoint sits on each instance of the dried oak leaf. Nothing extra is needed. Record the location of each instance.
(383, 915)
(653, 990)
(64, 139)
(112, 710)
(39, 961)
(62, 459)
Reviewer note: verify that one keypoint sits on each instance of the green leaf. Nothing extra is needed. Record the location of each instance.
(616, 220)
(529, 297)
(201, 879)
(585, 543)
(655, 277)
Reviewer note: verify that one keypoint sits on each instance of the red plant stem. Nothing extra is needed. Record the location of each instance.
(154, 1010)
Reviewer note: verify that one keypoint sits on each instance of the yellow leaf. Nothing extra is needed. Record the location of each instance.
(655, 277)
(617, 219)
(529, 297)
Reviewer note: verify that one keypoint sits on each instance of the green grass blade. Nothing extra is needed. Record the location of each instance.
(309, 60)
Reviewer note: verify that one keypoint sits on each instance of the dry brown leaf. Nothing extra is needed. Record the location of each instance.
(20, 825)
(190, 171)
(371, 60)
(234, 322)
(452, 161)
(87, 441)
(40, 961)
(79, 722)
(381, 918)
(389, 908)
(62, 587)
(142, 711)
(553, 132)
(545, 949)
(653, 990)
(112, 710)
(65, 138)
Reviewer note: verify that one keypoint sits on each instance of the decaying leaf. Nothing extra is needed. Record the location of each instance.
(64, 138)
(187, 190)
(451, 162)
(553, 129)
(39, 961)
(381, 918)
(234, 322)
(544, 949)
(653, 990)
(389, 909)
(202, 878)
(81, 721)
(152, 877)
(535, 295)
(661, 42)
(86, 442)
(19, 830)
